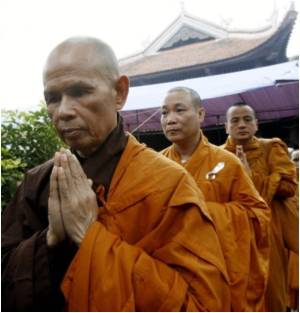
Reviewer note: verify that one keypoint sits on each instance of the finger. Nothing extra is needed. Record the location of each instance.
(64, 191)
(57, 159)
(70, 179)
(54, 214)
(75, 166)
(53, 183)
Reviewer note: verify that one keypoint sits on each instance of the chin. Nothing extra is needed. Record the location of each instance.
(174, 139)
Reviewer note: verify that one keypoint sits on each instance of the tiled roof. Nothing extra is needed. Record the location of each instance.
(193, 54)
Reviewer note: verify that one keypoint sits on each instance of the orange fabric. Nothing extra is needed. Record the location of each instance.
(154, 246)
(293, 281)
(241, 218)
(274, 176)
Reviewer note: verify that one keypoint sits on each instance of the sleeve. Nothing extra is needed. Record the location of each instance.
(28, 275)
(243, 228)
(281, 180)
(184, 272)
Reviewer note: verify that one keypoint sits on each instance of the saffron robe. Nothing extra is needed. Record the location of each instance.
(293, 281)
(143, 255)
(241, 218)
(274, 176)
(154, 246)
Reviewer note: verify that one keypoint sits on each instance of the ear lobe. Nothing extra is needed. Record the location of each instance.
(122, 89)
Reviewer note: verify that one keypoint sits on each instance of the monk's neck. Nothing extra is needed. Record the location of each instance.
(243, 143)
(186, 147)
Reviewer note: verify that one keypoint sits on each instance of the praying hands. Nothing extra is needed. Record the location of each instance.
(72, 202)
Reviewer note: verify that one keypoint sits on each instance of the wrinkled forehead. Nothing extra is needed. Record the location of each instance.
(240, 111)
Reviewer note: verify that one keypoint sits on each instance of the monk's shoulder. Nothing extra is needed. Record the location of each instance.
(155, 162)
(221, 154)
(272, 142)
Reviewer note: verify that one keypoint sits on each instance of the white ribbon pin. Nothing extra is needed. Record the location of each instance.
(212, 174)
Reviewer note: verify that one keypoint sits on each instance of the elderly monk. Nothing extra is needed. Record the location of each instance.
(274, 175)
(240, 215)
(117, 225)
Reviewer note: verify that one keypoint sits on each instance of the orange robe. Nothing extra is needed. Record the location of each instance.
(274, 176)
(154, 246)
(241, 218)
(293, 281)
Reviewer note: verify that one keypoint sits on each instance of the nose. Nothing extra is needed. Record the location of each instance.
(66, 108)
(241, 123)
(171, 118)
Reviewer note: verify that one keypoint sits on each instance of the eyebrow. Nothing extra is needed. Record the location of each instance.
(80, 84)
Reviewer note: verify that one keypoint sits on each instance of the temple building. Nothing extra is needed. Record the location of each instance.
(224, 65)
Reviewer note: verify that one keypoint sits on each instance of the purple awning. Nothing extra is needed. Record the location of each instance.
(269, 103)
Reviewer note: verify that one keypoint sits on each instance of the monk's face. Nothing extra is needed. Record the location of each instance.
(81, 101)
(241, 124)
(180, 119)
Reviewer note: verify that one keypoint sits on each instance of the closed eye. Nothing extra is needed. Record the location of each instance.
(79, 90)
(52, 97)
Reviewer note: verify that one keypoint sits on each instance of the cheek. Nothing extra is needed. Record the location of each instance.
(51, 114)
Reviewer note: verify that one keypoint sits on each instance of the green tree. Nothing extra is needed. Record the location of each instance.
(27, 139)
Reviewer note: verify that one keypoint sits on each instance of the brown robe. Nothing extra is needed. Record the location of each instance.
(274, 176)
(241, 218)
(31, 272)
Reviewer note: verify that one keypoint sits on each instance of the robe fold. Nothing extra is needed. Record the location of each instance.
(274, 176)
(153, 247)
(241, 217)
(32, 272)
(293, 281)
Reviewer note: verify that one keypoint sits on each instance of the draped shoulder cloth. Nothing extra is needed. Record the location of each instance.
(154, 246)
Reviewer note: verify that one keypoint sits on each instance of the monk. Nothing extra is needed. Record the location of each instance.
(274, 175)
(293, 265)
(115, 225)
(240, 214)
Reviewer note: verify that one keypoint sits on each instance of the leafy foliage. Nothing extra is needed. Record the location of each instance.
(27, 139)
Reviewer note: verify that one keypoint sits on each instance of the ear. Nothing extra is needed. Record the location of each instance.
(256, 125)
(201, 113)
(122, 89)
(226, 128)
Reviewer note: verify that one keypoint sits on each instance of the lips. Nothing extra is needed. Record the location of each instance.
(170, 130)
(71, 132)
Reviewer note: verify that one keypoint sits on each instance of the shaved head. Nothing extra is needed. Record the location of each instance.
(92, 53)
(239, 104)
(84, 92)
(195, 97)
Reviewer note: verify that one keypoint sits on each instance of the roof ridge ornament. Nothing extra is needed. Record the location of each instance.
(182, 8)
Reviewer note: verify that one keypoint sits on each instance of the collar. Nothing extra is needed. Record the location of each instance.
(100, 166)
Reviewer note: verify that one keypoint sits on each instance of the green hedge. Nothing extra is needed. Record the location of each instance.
(27, 139)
